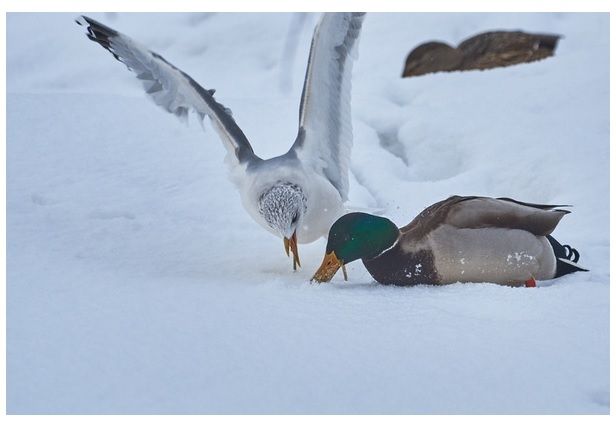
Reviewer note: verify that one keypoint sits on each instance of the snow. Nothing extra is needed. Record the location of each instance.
(136, 282)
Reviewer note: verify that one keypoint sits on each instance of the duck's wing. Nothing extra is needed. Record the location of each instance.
(171, 88)
(483, 212)
(325, 137)
(538, 219)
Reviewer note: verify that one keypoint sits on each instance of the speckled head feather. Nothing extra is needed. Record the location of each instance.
(282, 207)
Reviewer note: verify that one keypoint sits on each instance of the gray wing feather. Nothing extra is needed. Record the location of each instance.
(480, 212)
(325, 135)
(171, 88)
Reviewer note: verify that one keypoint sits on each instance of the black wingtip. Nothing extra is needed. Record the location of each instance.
(560, 210)
(555, 207)
(99, 33)
(96, 28)
(84, 20)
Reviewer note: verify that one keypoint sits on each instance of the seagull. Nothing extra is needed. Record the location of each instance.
(297, 195)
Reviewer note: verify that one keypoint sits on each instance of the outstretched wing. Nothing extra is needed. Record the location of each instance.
(325, 137)
(170, 87)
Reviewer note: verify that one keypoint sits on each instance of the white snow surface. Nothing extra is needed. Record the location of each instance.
(136, 282)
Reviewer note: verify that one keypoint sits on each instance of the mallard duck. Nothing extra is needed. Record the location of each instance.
(479, 52)
(297, 195)
(461, 239)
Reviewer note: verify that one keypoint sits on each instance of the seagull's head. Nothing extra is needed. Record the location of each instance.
(283, 206)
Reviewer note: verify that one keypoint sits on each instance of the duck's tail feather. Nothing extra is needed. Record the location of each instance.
(566, 258)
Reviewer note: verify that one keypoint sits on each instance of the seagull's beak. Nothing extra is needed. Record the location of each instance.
(328, 268)
(291, 244)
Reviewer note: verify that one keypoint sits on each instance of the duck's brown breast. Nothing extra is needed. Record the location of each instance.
(403, 269)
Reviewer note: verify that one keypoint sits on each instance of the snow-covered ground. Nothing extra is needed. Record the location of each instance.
(138, 284)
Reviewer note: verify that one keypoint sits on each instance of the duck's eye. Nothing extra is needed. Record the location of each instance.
(294, 219)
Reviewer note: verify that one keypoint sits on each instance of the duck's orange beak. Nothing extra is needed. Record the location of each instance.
(291, 244)
(328, 269)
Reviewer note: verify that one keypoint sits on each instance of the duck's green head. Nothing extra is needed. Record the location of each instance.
(355, 236)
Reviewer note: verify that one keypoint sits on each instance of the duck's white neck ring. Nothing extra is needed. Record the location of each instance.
(386, 249)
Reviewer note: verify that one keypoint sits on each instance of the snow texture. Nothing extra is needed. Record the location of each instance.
(138, 284)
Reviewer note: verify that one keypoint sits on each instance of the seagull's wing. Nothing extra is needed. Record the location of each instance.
(170, 87)
(325, 136)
